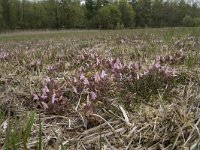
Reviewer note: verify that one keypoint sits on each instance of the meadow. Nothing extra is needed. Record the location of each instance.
(100, 89)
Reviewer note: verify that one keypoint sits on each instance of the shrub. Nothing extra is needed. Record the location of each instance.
(128, 14)
(108, 17)
(197, 21)
(188, 21)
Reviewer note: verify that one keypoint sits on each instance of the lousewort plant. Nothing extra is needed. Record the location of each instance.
(97, 76)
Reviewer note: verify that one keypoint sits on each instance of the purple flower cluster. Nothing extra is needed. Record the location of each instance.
(171, 58)
(50, 94)
(97, 76)
(4, 55)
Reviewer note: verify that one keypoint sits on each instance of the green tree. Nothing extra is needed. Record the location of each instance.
(197, 21)
(53, 8)
(90, 13)
(143, 13)
(157, 14)
(1, 17)
(127, 14)
(56, 14)
(182, 11)
(27, 15)
(15, 14)
(6, 12)
(188, 21)
(91, 10)
(73, 15)
(42, 15)
(109, 16)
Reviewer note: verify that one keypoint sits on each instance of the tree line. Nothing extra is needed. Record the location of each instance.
(96, 14)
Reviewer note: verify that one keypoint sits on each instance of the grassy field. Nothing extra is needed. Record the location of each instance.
(94, 89)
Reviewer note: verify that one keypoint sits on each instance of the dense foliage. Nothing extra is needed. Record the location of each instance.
(58, 14)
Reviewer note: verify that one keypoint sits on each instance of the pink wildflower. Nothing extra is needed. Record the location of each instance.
(157, 65)
(93, 95)
(146, 72)
(167, 71)
(45, 89)
(97, 78)
(53, 97)
(82, 76)
(75, 90)
(75, 80)
(35, 97)
(103, 74)
(138, 77)
(174, 72)
(97, 61)
(86, 82)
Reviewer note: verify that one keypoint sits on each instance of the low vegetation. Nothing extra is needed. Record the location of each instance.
(97, 14)
(124, 89)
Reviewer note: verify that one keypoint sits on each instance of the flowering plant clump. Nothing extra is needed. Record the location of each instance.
(52, 96)
(58, 67)
(34, 65)
(172, 58)
(96, 77)
(4, 55)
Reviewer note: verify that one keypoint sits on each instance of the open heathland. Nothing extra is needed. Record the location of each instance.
(94, 89)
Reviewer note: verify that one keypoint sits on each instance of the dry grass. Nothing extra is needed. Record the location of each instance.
(167, 120)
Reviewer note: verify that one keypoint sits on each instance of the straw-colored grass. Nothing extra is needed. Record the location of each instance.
(147, 114)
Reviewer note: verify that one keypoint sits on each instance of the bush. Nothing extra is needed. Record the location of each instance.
(188, 21)
(109, 17)
(197, 21)
(128, 14)
(73, 16)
